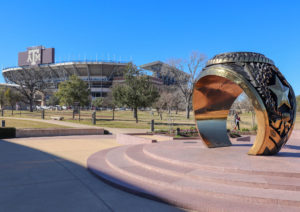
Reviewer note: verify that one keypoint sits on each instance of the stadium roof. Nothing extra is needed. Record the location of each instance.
(8, 85)
(80, 68)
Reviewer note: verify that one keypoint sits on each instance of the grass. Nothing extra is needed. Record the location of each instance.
(124, 119)
(29, 124)
(144, 123)
(245, 123)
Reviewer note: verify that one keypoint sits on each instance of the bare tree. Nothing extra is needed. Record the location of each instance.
(109, 102)
(163, 103)
(176, 100)
(185, 73)
(30, 81)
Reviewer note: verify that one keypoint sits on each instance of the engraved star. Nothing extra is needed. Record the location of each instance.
(281, 92)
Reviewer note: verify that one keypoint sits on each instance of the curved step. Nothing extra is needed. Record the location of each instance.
(117, 161)
(135, 155)
(206, 188)
(148, 150)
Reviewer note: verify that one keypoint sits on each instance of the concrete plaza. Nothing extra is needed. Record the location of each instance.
(49, 174)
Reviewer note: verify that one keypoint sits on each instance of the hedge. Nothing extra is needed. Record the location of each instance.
(7, 132)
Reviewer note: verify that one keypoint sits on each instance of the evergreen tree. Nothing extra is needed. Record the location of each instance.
(73, 90)
(137, 91)
(97, 102)
(11, 97)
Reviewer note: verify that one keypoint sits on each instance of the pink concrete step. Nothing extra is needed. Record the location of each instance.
(136, 155)
(116, 159)
(197, 178)
(266, 166)
(203, 201)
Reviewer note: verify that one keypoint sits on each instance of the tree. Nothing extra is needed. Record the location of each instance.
(12, 97)
(110, 102)
(2, 97)
(177, 101)
(53, 100)
(161, 104)
(97, 102)
(185, 73)
(30, 82)
(166, 101)
(137, 90)
(73, 90)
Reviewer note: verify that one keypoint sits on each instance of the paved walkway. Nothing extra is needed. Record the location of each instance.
(77, 125)
(49, 174)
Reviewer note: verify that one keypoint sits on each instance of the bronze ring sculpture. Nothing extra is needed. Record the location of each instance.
(223, 79)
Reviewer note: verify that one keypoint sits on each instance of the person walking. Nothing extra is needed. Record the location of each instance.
(237, 121)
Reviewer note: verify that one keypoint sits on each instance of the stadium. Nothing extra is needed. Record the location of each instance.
(99, 75)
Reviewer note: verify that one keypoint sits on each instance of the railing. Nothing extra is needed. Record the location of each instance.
(48, 114)
(73, 61)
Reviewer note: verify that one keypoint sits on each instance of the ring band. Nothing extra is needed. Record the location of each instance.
(223, 79)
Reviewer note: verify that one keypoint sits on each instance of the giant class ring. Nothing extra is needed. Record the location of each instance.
(223, 79)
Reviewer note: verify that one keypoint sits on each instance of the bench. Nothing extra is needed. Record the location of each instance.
(57, 118)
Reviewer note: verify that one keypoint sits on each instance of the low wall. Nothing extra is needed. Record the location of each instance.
(134, 138)
(20, 133)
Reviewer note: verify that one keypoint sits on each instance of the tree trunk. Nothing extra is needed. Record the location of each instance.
(176, 110)
(188, 111)
(157, 110)
(160, 115)
(12, 110)
(113, 117)
(135, 115)
(31, 106)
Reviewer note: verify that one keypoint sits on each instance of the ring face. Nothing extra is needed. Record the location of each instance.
(223, 79)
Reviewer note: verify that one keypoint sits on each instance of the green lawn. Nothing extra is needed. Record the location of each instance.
(245, 123)
(29, 124)
(124, 119)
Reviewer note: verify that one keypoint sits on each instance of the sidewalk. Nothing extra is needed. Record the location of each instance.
(76, 125)
(49, 174)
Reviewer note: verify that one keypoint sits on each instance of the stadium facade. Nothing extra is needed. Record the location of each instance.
(99, 75)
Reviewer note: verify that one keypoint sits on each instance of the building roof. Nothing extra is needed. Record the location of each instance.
(8, 85)
(157, 66)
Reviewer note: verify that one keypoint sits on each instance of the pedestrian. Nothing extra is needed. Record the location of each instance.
(237, 121)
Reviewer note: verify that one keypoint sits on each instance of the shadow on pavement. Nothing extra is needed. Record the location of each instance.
(33, 180)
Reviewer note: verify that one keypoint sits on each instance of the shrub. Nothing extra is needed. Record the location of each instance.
(254, 128)
(193, 129)
(161, 131)
(7, 132)
(245, 130)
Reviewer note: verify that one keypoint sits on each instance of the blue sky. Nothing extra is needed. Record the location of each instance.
(145, 31)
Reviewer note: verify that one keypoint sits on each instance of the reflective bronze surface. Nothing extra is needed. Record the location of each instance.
(223, 79)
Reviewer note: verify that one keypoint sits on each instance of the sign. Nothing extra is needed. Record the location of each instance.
(35, 56)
